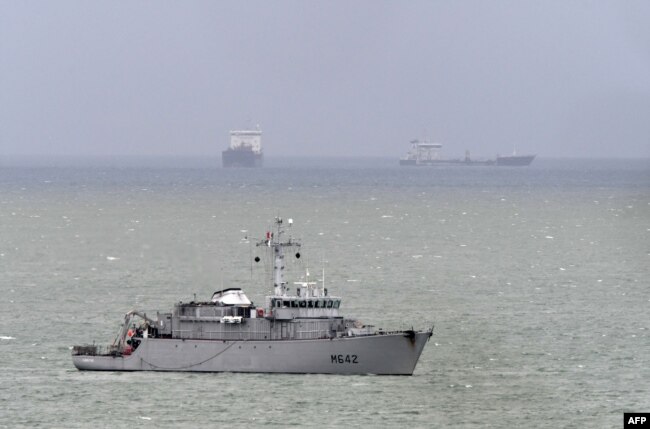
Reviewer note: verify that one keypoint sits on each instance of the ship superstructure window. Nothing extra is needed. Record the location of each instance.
(329, 303)
(337, 303)
(303, 303)
(310, 304)
(318, 302)
(294, 303)
(286, 304)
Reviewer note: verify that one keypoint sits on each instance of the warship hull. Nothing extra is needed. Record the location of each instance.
(380, 354)
(301, 333)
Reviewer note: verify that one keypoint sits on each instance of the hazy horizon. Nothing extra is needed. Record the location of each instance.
(325, 79)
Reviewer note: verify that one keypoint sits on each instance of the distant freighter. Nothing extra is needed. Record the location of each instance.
(245, 149)
(427, 154)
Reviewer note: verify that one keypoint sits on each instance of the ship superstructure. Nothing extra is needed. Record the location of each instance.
(298, 330)
(245, 149)
(421, 153)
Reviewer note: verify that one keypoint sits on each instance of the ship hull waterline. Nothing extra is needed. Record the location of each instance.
(387, 354)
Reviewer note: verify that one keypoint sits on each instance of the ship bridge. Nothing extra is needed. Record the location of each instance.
(294, 307)
(250, 139)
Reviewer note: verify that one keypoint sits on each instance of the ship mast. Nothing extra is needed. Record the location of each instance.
(277, 247)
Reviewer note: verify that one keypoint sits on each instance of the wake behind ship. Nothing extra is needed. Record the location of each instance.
(301, 332)
(245, 149)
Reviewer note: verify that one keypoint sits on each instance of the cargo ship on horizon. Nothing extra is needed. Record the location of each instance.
(428, 154)
(245, 149)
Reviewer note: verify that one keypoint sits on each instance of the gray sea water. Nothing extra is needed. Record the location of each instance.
(536, 280)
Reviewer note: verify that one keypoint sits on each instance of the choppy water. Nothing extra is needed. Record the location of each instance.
(536, 279)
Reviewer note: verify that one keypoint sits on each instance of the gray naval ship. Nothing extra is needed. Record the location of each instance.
(293, 333)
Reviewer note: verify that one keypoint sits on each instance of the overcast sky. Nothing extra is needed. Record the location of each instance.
(335, 78)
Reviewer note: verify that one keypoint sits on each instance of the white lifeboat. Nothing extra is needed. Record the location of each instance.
(231, 296)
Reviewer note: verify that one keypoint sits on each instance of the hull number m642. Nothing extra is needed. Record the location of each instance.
(344, 359)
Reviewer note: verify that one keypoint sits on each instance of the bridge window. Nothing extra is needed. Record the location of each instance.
(310, 304)
(303, 303)
(318, 303)
(286, 304)
(337, 303)
(294, 303)
(329, 303)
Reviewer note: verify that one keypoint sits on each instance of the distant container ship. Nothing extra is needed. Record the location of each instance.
(428, 154)
(245, 149)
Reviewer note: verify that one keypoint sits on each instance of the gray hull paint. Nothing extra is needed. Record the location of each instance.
(389, 354)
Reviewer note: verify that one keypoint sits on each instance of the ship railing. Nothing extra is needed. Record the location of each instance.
(95, 350)
(220, 335)
(312, 334)
(254, 335)
(183, 334)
